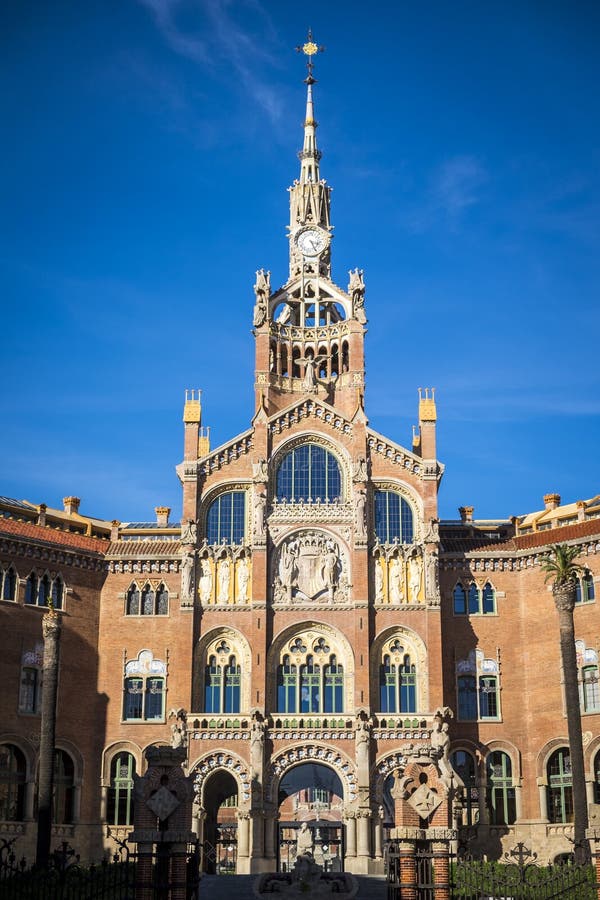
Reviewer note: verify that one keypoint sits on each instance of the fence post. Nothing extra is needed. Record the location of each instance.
(406, 838)
(440, 844)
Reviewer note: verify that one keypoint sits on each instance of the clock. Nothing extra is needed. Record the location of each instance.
(311, 242)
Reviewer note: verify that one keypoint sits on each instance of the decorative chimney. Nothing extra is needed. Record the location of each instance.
(71, 505)
(114, 530)
(42, 514)
(551, 501)
(466, 513)
(162, 515)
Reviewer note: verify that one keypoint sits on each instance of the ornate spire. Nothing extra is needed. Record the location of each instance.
(309, 155)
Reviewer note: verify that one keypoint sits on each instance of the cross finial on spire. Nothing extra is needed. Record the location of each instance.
(310, 49)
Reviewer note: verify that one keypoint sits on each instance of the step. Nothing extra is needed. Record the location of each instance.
(240, 887)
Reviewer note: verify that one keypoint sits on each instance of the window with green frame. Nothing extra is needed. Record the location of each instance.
(12, 783)
(310, 688)
(560, 786)
(474, 601)
(464, 765)
(501, 798)
(119, 808)
(586, 592)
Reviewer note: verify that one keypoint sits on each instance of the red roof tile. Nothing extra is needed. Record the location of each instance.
(52, 536)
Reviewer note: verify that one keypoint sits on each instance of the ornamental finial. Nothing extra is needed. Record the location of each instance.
(310, 49)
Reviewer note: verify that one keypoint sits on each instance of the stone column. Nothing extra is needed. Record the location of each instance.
(519, 801)
(350, 822)
(271, 820)
(362, 832)
(258, 834)
(243, 836)
(543, 801)
(378, 834)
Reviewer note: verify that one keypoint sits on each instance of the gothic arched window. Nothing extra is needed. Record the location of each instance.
(560, 786)
(397, 685)
(222, 686)
(393, 518)
(12, 783)
(226, 518)
(309, 472)
(500, 791)
(314, 682)
(585, 591)
(9, 584)
(475, 601)
(119, 809)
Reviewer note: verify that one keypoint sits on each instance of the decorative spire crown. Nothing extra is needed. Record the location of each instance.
(309, 155)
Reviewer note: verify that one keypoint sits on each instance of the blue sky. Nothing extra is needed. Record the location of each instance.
(147, 149)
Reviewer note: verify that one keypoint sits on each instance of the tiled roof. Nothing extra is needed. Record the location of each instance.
(52, 536)
(558, 535)
(469, 544)
(127, 549)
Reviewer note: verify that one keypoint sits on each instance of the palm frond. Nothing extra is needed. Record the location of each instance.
(559, 564)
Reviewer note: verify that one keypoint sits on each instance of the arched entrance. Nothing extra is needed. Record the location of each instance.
(310, 803)
(220, 824)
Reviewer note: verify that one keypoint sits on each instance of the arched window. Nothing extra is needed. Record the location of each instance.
(232, 683)
(314, 683)
(226, 518)
(212, 686)
(397, 685)
(133, 601)
(57, 592)
(560, 786)
(473, 600)
(334, 687)
(464, 764)
(30, 689)
(64, 786)
(31, 589)
(309, 472)
(585, 592)
(460, 600)
(500, 791)
(12, 783)
(597, 778)
(119, 809)
(162, 601)
(287, 686)
(393, 518)
(9, 584)
(43, 591)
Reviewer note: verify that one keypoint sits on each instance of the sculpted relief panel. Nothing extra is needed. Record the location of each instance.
(310, 565)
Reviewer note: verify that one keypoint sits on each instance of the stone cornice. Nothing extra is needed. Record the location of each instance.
(32, 548)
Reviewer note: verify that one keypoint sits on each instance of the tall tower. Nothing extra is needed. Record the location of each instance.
(309, 333)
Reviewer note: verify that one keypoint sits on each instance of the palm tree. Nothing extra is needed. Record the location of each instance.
(51, 629)
(560, 566)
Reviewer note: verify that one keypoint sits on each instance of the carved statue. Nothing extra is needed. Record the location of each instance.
(260, 470)
(223, 576)
(343, 590)
(189, 532)
(359, 472)
(432, 535)
(262, 290)
(361, 514)
(260, 503)
(179, 728)
(431, 576)
(363, 740)
(378, 581)
(356, 289)
(287, 568)
(329, 565)
(414, 578)
(304, 841)
(279, 591)
(187, 576)
(243, 575)
(396, 571)
(205, 586)
(440, 741)
(257, 736)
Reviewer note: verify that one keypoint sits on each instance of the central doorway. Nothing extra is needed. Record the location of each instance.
(310, 817)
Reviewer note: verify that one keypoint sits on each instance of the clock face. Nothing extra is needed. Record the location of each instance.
(311, 242)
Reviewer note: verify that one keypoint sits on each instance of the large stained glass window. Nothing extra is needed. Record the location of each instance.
(309, 472)
(226, 519)
(393, 518)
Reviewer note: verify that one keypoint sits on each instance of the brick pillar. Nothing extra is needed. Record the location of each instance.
(440, 838)
(593, 836)
(407, 845)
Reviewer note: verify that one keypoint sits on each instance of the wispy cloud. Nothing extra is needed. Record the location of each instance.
(218, 38)
(455, 186)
